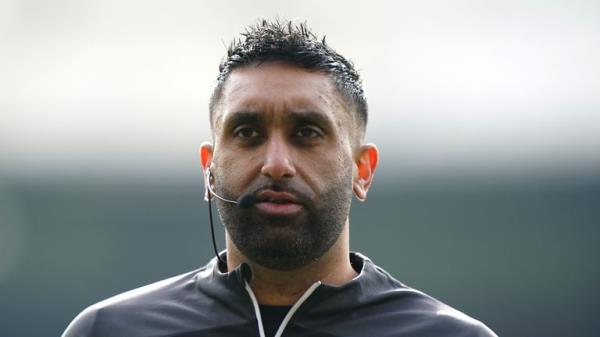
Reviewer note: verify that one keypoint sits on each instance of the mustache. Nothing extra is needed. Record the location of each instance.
(302, 197)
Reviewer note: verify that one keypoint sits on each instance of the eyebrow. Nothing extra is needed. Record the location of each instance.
(292, 117)
(242, 117)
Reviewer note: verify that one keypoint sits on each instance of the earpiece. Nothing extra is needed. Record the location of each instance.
(209, 177)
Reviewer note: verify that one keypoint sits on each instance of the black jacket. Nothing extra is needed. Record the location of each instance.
(208, 302)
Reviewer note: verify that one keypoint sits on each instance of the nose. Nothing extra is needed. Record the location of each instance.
(278, 163)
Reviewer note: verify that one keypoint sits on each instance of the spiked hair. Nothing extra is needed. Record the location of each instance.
(296, 44)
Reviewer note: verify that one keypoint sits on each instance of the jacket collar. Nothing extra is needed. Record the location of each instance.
(229, 287)
(243, 272)
(369, 275)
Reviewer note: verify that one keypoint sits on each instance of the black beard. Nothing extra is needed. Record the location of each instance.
(287, 243)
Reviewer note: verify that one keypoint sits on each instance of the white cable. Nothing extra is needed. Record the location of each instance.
(295, 307)
(261, 330)
(208, 175)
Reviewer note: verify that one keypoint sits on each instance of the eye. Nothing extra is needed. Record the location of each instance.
(246, 132)
(308, 133)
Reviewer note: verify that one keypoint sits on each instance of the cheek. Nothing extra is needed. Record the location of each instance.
(232, 170)
(328, 168)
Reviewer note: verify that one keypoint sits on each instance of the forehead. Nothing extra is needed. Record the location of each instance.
(275, 88)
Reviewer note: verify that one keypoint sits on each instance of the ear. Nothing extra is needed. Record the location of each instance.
(366, 162)
(206, 153)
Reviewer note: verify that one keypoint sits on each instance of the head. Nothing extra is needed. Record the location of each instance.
(288, 116)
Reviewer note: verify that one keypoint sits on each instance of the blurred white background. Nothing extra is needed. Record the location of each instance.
(121, 88)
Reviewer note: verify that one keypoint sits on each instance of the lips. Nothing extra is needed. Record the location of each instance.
(277, 203)
(276, 197)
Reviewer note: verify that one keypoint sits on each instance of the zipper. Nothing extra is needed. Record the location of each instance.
(288, 316)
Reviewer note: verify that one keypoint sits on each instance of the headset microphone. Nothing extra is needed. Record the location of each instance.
(246, 201)
(243, 202)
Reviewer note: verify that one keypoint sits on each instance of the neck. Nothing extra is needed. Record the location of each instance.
(277, 287)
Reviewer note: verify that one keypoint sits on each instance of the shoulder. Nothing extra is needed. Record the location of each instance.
(439, 319)
(415, 313)
(435, 318)
(129, 313)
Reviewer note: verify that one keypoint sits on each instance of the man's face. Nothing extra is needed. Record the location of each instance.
(283, 134)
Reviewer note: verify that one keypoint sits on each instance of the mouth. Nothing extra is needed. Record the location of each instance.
(278, 203)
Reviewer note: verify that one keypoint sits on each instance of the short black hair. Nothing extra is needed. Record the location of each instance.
(296, 44)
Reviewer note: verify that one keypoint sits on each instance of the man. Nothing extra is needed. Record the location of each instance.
(288, 117)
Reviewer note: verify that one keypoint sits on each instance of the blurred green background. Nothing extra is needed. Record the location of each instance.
(521, 255)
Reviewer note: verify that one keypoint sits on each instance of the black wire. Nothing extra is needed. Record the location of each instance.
(212, 229)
